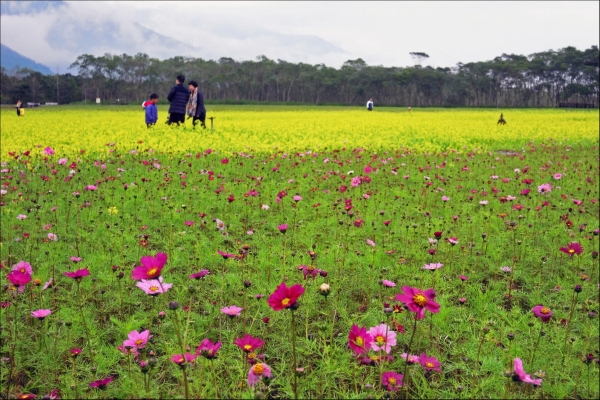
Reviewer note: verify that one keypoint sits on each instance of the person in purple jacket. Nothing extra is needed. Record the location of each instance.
(151, 110)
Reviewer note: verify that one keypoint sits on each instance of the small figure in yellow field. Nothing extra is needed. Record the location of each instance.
(20, 111)
(501, 121)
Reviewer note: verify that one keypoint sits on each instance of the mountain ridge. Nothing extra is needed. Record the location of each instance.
(10, 59)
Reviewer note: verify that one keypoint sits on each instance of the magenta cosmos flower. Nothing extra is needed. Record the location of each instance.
(521, 376)
(19, 278)
(225, 255)
(572, 249)
(310, 270)
(137, 339)
(79, 274)
(418, 300)
(151, 267)
(285, 297)
(182, 359)
(101, 383)
(387, 283)
(429, 363)
(282, 228)
(391, 381)
(23, 266)
(199, 275)
(411, 359)
(208, 349)
(248, 343)
(154, 287)
(542, 312)
(384, 338)
(359, 340)
(41, 314)
(49, 151)
(257, 372)
(232, 311)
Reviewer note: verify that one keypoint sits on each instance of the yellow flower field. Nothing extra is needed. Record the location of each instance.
(270, 128)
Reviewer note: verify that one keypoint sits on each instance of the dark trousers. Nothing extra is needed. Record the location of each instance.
(176, 118)
(18, 112)
(201, 118)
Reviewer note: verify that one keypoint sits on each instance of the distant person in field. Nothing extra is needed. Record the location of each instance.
(195, 105)
(178, 97)
(18, 107)
(370, 105)
(151, 110)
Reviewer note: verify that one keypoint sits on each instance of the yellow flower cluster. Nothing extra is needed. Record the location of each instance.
(266, 129)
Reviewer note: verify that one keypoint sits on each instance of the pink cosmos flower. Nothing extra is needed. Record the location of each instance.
(182, 359)
(49, 151)
(359, 340)
(391, 381)
(309, 270)
(257, 372)
(23, 266)
(137, 339)
(91, 187)
(384, 338)
(76, 259)
(40, 314)
(101, 383)
(452, 240)
(577, 202)
(284, 296)
(429, 363)
(355, 181)
(151, 267)
(411, 359)
(225, 255)
(19, 278)
(62, 161)
(189, 223)
(220, 224)
(79, 274)
(445, 199)
(418, 300)
(48, 284)
(21, 217)
(387, 283)
(542, 312)
(248, 343)
(370, 243)
(545, 188)
(232, 311)
(521, 376)
(208, 349)
(154, 287)
(53, 237)
(297, 198)
(200, 274)
(483, 202)
(557, 176)
(433, 266)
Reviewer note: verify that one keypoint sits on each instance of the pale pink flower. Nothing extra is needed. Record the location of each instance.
(53, 237)
(370, 243)
(384, 338)
(232, 311)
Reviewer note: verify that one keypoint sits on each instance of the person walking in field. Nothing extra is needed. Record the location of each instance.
(370, 105)
(195, 106)
(151, 110)
(18, 107)
(178, 97)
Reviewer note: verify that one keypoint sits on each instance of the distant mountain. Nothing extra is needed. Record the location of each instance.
(10, 59)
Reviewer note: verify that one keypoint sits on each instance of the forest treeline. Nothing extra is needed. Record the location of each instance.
(544, 79)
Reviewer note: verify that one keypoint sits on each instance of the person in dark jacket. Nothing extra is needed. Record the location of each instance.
(178, 98)
(18, 107)
(195, 105)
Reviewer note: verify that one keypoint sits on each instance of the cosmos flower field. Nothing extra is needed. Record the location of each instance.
(299, 252)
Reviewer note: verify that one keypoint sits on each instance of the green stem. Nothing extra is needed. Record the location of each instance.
(405, 374)
(294, 364)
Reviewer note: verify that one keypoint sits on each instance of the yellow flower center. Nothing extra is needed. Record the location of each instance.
(429, 365)
(247, 347)
(310, 268)
(285, 301)
(420, 299)
(380, 340)
(571, 251)
(154, 288)
(152, 272)
(545, 310)
(392, 381)
(22, 270)
(139, 342)
(251, 356)
(259, 369)
(179, 360)
(359, 341)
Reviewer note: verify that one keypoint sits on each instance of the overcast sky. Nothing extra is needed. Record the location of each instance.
(381, 33)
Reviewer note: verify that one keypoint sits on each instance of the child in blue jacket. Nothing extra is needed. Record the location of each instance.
(151, 110)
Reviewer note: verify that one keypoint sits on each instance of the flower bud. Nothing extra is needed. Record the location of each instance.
(324, 289)
(173, 305)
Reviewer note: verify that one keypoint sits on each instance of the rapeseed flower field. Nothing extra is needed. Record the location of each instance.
(267, 128)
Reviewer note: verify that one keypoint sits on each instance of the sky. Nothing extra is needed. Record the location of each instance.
(54, 33)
